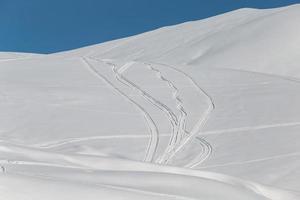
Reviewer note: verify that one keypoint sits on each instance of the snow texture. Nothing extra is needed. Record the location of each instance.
(205, 110)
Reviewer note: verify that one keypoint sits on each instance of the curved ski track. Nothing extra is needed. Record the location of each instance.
(206, 152)
(180, 129)
(197, 128)
(179, 137)
(167, 111)
(154, 139)
(150, 122)
(178, 126)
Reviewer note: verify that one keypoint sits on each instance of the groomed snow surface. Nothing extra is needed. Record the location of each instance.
(205, 110)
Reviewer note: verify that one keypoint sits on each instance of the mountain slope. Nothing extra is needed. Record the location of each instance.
(248, 39)
(202, 110)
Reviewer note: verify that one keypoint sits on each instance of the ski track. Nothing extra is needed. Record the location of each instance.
(286, 78)
(82, 139)
(179, 103)
(179, 137)
(295, 154)
(160, 105)
(178, 126)
(174, 147)
(171, 116)
(150, 123)
(206, 153)
(251, 128)
(197, 128)
(154, 139)
(144, 192)
(6, 163)
(187, 139)
(180, 130)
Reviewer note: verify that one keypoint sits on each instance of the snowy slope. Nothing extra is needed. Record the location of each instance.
(246, 39)
(201, 110)
(9, 56)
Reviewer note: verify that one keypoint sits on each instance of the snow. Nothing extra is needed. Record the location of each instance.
(202, 110)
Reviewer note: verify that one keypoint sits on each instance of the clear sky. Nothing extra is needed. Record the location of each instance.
(45, 26)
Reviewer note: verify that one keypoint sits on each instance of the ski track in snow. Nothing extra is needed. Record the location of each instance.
(4, 163)
(251, 128)
(54, 144)
(180, 129)
(180, 137)
(150, 123)
(176, 145)
(206, 153)
(154, 139)
(197, 128)
(178, 123)
(252, 161)
(171, 116)
(177, 126)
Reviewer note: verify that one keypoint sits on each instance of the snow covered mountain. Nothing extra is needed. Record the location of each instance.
(202, 110)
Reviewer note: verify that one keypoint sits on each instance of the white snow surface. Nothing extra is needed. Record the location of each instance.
(204, 110)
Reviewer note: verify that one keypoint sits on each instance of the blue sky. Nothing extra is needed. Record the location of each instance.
(46, 26)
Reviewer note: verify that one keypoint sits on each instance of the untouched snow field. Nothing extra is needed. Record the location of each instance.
(205, 110)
